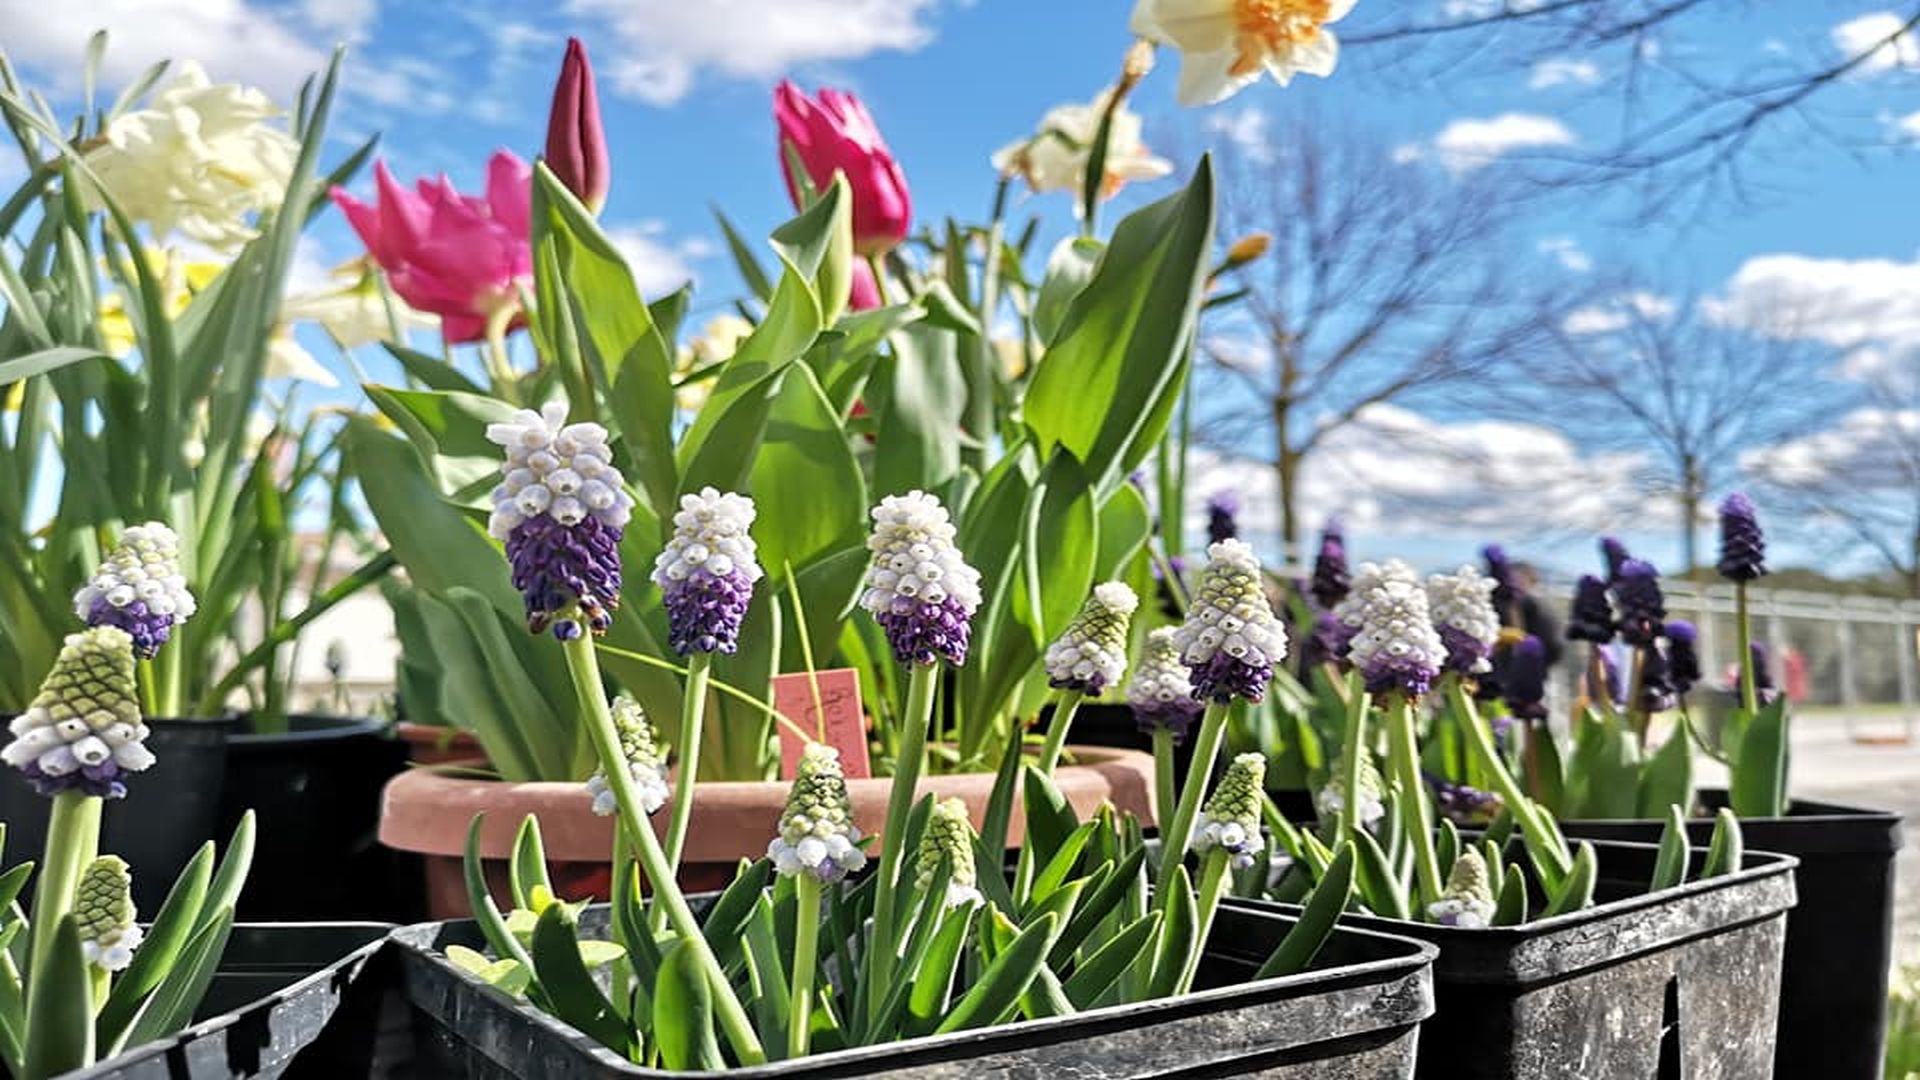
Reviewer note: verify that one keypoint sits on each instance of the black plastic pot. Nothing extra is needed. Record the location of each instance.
(1353, 1017)
(1833, 995)
(315, 794)
(1096, 724)
(1680, 983)
(156, 833)
(293, 1001)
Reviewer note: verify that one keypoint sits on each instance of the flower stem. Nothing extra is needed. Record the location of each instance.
(693, 713)
(1637, 716)
(1540, 833)
(499, 366)
(911, 751)
(806, 945)
(878, 270)
(1351, 747)
(1416, 818)
(585, 669)
(73, 839)
(1749, 691)
(1175, 834)
(1213, 884)
(1064, 706)
(1163, 751)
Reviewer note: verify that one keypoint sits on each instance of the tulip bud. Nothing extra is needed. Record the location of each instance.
(576, 140)
(1248, 248)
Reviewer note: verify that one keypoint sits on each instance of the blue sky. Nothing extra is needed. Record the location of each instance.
(686, 86)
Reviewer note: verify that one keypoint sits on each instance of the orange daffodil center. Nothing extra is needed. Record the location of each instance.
(1265, 28)
(1226, 44)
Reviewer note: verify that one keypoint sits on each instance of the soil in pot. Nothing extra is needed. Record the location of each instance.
(427, 811)
(1833, 995)
(156, 835)
(1353, 1017)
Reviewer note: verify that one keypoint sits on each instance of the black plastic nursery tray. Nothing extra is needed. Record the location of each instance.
(1354, 1017)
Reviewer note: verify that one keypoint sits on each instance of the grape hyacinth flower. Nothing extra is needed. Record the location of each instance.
(1230, 640)
(706, 572)
(560, 510)
(1397, 649)
(83, 731)
(104, 914)
(138, 587)
(920, 589)
(1091, 653)
(948, 843)
(1462, 608)
(1331, 581)
(1161, 692)
(1525, 679)
(1607, 681)
(1656, 681)
(1230, 821)
(1371, 806)
(645, 762)
(1327, 644)
(1683, 658)
(1349, 611)
(1464, 804)
(1223, 510)
(1743, 547)
(1468, 899)
(1506, 586)
(1614, 554)
(817, 834)
(1643, 608)
(1592, 616)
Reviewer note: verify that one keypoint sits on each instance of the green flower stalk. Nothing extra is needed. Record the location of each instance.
(1089, 656)
(1226, 836)
(1468, 899)
(645, 763)
(948, 844)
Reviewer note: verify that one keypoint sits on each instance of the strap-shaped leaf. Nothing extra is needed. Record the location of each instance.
(173, 1001)
(59, 1038)
(683, 1013)
(168, 934)
(492, 926)
(528, 868)
(1380, 887)
(1511, 907)
(1178, 938)
(998, 992)
(1726, 852)
(1759, 784)
(933, 984)
(1670, 866)
(572, 995)
(727, 918)
(1318, 917)
(1046, 997)
(12, 882)
(1668, 777)
(1100, 971)
(927, 920)
(231, 875)
(1054, 874)
(993, 830)
(770, 1005)
(1050, 819)
(1576, 892)
(1446, 842)
(1105, 892)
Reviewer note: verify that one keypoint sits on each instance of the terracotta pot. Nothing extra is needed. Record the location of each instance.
(435, 744)
(428, 812)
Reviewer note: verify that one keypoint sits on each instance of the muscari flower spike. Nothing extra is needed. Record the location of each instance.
(948, 841)
(1230, 640)
(1683, 658)
(1613, 682)
(1332, 798)
(1463, 804)
(83, 731)
(139, 588)
(1743, 547)
(1524, 679)
(645, 763)
(1091, 654)
(1397, 648)
(1506, 586)
(1643, 608)
(1656, 680)
(1347, 614)
(560, 509)
(1591, 618)
(1223, 512)
(1331, 581)
(1231, 819)
(1462, 608)
(1161, 693)
(1614, 554)
(817, 834)
(1327, 643)
(104, 914)
(1468, 898)
(706, 572)
(919, 588)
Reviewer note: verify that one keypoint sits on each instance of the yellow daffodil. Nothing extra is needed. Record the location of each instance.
(717, 341)
(1226, 44)
(179, 280)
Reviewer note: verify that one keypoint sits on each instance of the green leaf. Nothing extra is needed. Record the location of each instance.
(1511, 907)
(1069, 269)
(749, 267)
(806, 484)
(432, 371)
(1179, 933)
(1059, 864)
(932, 983)
(1050, 818)
(789, 329)
(1759, 785)
(165, 937)
(1726, 852)
(571, 993)
(918, 394)
(1061, 544)
(480, 901)
(726, 921)
(39, 363)
(1097, 973)
(12, 882)
(1667, 779)
(1604, 774)
(1670, 866)
(179, 993)
(993, 998)
(1576, 892)
(59, 1002)
(1380, 887)
(818, 243)
(683, 1013)
(1317, 920)
(230, 876)
(1125, 526)
(527, 870)
(439, 546)
(1102, 899)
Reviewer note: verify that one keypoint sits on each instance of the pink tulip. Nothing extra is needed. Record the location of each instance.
(862, 293)
(576, 141)
(461, 257)
(836, 133)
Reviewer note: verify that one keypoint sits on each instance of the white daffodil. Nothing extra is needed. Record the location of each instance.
(1226, 44)
(718, 341)
(201, 160)
(288, 359)
(352, 308)
(1055, 157)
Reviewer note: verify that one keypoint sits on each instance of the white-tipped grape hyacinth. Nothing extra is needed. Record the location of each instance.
(1396, 647)
(817, 834)
(103, 912)
(1091, 654)
(645, 763)
(1332, 798)
(1462, 609)
(560, 508)
(83, 731)
(707, 571)
(948, 842)
(1161, 693)
(1468, 900)
(920, 589)
(1230, 640)
(139, 588)
(1231, 819)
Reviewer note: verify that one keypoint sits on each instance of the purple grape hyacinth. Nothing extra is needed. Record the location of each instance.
(1614, 554)
(1592, 616)
(919, 588)
(1230, 640)
(1506, 587)
(707, 571)
(1397, 648)
(138, 588)
(83, 731)
(560, 509)
(1331, 580)
(1223, 511)
(1462, 608)
(1524, 679)
(1743, 547)
(1643, 608)
(1683, 658)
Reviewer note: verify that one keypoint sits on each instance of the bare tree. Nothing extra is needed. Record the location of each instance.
(1385, 280)
(1683, 386)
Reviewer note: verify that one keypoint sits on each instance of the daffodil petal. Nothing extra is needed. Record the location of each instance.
(1207, 77)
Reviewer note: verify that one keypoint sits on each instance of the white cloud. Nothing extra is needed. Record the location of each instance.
(347, 20)
(1857, 450)
(1568, 252)
(659, 263)
(1846, 303)
(1465, 145)
(1617, 313)
(1563, 71)
(659, 48)
(1907, 127)
(1872, 31)
(1247, 129)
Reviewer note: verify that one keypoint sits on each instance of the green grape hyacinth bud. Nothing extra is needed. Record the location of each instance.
(103, 909)
(83, 731)
(949, 841)
(1231, 819)
(1468, 899)
(645, 762)
(817, 833)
